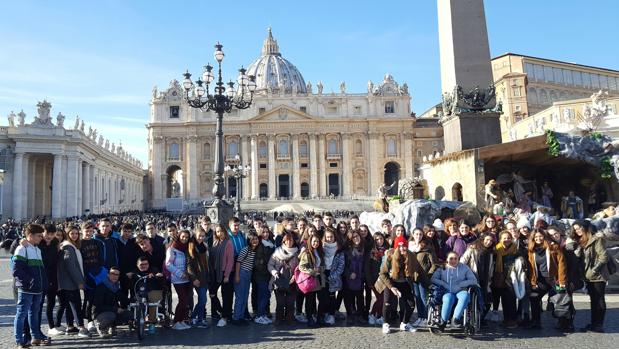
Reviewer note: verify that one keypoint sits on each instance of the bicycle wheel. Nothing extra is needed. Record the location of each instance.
(140, 323)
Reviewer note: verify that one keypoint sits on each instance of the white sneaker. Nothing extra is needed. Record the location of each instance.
(380, 321)
(371, 320)
(262, 320)
(179, 326)
(222, 322)
(91, 327)
(54, 332)
(386, 329)
(407, 327)
(300, 318)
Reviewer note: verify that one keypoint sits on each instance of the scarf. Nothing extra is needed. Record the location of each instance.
(110, 286)
(201, 248)
(329, 248)
(378, 253)
(501, 252)
(267, 243)
(177, 244)
(284, 253)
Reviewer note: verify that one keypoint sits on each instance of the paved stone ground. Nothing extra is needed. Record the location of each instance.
(340, 336)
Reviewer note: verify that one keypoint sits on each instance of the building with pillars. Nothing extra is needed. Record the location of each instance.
(60, 172)
(301, 142)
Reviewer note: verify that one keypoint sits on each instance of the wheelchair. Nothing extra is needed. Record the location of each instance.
(140, 306)
(471, 319)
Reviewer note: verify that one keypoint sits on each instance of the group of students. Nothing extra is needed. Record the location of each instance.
(311, 267)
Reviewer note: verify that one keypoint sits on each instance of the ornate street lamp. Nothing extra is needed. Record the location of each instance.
(223, 99)
(238, 171)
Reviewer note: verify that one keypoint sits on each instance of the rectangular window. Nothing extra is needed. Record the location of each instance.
(603, 82)
(517, 92)
(517, 108)
(304, 165)
(539, 72)
(530, 71)
(577, 78)
(331, 110)
(261, 110)
(303, 109)
(558, 75)
(612, 83)
(586, 79)
(567, 77)
(174, 112)
(263, 165)
(418, 153)
(389, 107)
(548, 74)
(595, 81)
(333, 164)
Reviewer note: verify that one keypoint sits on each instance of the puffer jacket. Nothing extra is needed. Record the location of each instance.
(176, 264)
(354, 264)
(336, 271)
(454, 279)
(307, 266)
(70, 267)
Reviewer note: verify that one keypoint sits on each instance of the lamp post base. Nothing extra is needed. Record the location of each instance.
(220, 211)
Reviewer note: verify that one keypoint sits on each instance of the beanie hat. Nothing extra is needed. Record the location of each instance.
(523, 222)
(438, 224)
(400, 240)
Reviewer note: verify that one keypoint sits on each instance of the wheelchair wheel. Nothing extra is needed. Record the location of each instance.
(433, 318)
(472, 316)
(140, 323)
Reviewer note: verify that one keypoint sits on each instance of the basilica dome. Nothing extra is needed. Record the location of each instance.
(275, 73)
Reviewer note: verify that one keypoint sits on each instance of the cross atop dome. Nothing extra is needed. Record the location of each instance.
(270, 46)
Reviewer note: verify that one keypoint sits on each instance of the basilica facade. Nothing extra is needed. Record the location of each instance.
(298, 141)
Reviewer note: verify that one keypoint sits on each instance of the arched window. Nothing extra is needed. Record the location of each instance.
(358, 148)
(303, 149)
(174, 152)
(391, 147)
(206, 151)
(233, 148)
(282, 148)
(262, 150)
(332, 148)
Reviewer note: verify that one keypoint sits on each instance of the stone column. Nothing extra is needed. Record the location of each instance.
(347, 177)
(57, 190)
(374, 162)
(408, 154)
(159, 188)
(322, 165)
(29, 189)
(255, 192)
(245, 156)
(272, 164)
(86, 188)
(296, 177)
(18, 180)
(80, 188)
(313, 166)
(191, 166)
(72, 185)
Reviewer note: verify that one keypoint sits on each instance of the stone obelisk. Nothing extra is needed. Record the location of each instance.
(470, 117)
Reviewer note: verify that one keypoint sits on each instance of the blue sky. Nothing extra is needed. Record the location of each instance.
(100, 59)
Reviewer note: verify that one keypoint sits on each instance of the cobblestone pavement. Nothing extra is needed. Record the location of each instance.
(340, 336)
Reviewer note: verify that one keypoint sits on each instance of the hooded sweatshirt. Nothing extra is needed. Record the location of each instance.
(454, 279)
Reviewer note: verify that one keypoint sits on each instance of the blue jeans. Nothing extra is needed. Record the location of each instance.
(264, 295)
(28, 305)
(449, 299)
(199, 310)
(241, 293)
(421, 299)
